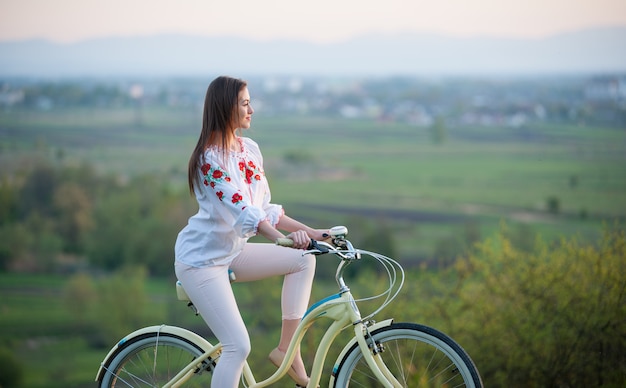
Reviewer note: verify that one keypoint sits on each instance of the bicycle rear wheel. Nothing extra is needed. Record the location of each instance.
(417, 355)
(152, 360)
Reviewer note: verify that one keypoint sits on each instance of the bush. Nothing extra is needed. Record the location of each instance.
(552, 317)
(11, 371)
(553, 204)
(110, 307)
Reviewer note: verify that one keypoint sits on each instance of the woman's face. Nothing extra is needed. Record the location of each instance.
(244, 109)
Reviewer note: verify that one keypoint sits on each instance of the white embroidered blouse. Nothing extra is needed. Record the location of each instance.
(233, 198)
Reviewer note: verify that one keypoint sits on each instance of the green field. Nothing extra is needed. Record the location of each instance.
(552, 180)
(329, 170)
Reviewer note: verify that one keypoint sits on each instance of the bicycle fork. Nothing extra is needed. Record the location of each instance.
(372, 354)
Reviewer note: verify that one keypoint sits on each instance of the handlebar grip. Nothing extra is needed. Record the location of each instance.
(284, 242)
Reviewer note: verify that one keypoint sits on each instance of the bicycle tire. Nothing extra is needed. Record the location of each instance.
(417, 355)
(153, 359)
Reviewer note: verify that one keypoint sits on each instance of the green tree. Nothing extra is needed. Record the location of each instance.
(34, 244)
(45, 211)
(11, 371)
(37, 192)
(80, 298)
(151, 244)
(447, 250)
(553, 204)
(8, 201)
(546, 318)
(122, 305)
(73, 215)
(117, 217)
(136, 225)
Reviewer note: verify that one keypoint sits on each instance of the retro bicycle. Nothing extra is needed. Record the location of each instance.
(381, 354)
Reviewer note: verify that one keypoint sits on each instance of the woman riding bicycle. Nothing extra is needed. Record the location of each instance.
(226, 175)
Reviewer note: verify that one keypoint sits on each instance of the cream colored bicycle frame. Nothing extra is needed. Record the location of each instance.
(341, 308)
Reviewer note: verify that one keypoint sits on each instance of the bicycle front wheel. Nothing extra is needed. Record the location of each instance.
(417, 355)
(154, 359)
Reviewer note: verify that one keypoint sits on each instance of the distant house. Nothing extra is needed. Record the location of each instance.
(605, 89)
(10, 97)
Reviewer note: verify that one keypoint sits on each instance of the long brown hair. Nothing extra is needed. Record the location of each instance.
(218, 122)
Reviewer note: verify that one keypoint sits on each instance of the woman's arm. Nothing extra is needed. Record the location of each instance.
(301, 234)
(288, 224)
(300, 238)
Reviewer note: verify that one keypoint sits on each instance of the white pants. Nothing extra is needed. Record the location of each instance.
(210, 291)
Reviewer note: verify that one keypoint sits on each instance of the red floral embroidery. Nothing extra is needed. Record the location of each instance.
(250, 170)
(212, 175)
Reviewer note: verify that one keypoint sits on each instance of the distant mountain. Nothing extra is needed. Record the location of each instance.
(587, 51)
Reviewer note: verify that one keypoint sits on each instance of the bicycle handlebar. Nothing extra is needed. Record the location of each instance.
(343, 249)
(315, 247)
(284, 242)
(346, 255)
(337, 234)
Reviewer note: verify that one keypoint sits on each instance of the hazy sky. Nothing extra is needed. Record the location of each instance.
(313, 20)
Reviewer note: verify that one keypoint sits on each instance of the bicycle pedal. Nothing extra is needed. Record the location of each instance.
(193, 308)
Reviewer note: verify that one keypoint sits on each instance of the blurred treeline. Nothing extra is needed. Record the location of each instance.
(52, 218)
(548, 314)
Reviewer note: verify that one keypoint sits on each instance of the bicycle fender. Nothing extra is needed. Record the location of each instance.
(349, 345)
(179, 331)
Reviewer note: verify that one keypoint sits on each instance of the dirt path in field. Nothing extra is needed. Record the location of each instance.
(395, 214)
(465, 213)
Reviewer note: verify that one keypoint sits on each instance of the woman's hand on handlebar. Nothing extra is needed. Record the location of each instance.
(300, 238)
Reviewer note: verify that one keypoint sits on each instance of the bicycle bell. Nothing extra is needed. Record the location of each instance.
(338, 232)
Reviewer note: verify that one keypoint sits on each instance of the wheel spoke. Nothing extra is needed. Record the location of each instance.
(416, 355)
(152, 362)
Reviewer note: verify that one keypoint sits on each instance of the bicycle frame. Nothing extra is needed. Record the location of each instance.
(427, 350)
(341, 308)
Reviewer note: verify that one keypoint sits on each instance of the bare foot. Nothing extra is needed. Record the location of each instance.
(297, 371)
